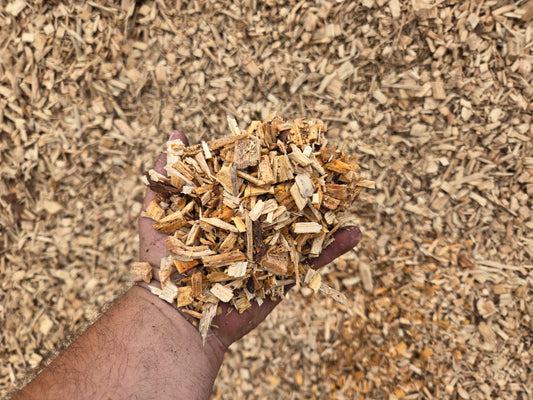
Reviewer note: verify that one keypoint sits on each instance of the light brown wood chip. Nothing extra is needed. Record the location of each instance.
(142, 271)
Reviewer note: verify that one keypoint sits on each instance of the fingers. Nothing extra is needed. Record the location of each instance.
(345, 240)
(162, 159)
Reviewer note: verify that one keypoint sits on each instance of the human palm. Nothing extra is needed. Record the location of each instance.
(228, 327)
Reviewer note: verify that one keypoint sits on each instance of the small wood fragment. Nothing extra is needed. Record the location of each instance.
(142, 271)
(249, 238)
(238, 269)
(221, 292)
(247, 153)
(242, 304)
(153, 211)
(305, 185)
(169, 292)
(266, 174)
(297, 197)
(220, 260)
(196, 284)
(307, 227)
(277, 263)
(207, 317)
(257, 210)
(184, 266)
(219, 224)
(184, 296)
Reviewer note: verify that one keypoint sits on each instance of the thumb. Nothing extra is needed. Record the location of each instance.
(162, 159)
(160, 167)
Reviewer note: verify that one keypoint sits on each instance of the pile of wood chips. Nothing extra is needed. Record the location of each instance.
(245, 212)
(435, 97)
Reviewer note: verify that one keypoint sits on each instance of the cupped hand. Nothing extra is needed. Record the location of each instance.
(229, 326)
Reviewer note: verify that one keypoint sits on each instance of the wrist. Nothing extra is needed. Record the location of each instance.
(140, 348)
(181, 330)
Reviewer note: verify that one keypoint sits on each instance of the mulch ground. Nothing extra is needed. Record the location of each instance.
(434, 96)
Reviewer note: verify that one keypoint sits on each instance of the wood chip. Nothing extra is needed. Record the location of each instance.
(222, 292)
(207, 317)
(169, 292)
(307, 227)
(238, 269)
(257, 210)
(142, 271)
(366, 276)
(219, 224)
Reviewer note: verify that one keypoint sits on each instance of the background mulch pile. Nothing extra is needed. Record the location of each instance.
(436, 97)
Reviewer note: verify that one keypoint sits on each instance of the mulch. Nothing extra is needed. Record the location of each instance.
(434, 97)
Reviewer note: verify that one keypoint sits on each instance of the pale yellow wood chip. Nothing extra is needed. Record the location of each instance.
(316, 246)
(153, 211)
(164, 276)
(298, 156)
(221, 260)
(142, 271)
(366, 184)
(252, 190)
(207, 152)
(250, 178)
(207, 317)
(265, 170)
(285, 170)
(233, 127)
(222, 292)
(224, 177)
(229, 243)
(239, 223)
(257, 210)
(238, 269)
(220, 224)
(315, 282)
(155, 290)
(305, 184)
(299, 200)
(169, 292)
(307, 227)
(242, 304)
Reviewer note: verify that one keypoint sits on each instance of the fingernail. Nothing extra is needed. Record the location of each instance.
(179, 135)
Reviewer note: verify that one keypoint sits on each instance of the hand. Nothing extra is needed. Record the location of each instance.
(229, 327)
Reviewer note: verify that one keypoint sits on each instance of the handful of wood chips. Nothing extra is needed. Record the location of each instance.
(245, 212)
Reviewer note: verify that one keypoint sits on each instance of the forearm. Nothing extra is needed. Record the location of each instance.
(140, 348)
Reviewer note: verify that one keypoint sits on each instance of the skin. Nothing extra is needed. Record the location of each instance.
(144, 348)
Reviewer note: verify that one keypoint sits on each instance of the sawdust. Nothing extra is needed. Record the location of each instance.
(435, 97)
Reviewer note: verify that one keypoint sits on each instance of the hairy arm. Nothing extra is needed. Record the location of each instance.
(141, 348)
